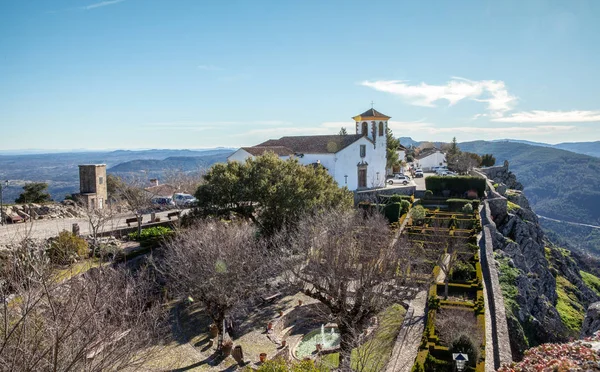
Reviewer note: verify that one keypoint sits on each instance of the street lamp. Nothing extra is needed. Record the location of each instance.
(2, 187)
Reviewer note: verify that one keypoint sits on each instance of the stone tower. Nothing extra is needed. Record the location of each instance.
(373, 125)
(92, 185)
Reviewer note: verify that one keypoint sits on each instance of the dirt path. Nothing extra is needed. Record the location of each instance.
(408, 341)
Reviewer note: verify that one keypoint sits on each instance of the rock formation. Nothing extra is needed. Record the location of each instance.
(591, 323)
(65, 209)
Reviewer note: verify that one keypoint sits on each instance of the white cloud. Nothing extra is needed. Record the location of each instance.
(492, 92)
(539, 116)
(209, 68)
(101, 4)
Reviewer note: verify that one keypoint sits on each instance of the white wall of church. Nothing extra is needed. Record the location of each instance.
(347, 161)
(326, 160)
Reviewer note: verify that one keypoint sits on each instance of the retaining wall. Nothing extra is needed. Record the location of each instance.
(500, 338)
(371, 195)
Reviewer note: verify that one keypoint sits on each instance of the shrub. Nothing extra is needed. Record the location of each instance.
(156, 232)
(468, 208)
(107, 252)
(465, 344)
(456, 185)
(456, 205)
(428, 194)
(417, 367)
(418, 213)
(462, 271)
(437, 365)
(404, 207)
(398, 198)
(433, 303)
(392, 211)
(67, 248)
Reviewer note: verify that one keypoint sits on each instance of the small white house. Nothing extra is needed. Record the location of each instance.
(430, 158)
(357, 161)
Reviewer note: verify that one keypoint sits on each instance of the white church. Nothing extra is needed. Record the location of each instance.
(357, 161)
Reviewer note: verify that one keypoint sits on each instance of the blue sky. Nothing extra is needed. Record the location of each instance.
(195, 74)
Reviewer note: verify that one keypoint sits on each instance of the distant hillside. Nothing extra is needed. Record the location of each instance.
(184, 163)
(558, 183)
(407, 141)
(61, 172)
(587, 148)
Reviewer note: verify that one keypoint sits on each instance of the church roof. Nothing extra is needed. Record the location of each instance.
(326, 144)
(260, 150)
(371, 113)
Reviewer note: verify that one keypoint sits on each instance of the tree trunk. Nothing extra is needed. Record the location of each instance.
(446, 287)
(346, 343)
(219, 321)
(139, 221)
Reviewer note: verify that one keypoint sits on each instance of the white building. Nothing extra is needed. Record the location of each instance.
(356, 161)
(430, 158)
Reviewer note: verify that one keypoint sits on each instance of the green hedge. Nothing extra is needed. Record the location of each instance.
(456, 205)
(456, 185)
(151, 233)
(392, 212)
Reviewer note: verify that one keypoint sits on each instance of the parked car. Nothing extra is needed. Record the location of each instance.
(449, 174)
(399, 178)
(419, 173)
(163, 201)
(440, 170)
(184, 200)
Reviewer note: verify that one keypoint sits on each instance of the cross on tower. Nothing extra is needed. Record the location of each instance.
(372, 103)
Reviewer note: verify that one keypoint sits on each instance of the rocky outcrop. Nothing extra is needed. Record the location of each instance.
(65, 209)
(591, 323)
(501, 175)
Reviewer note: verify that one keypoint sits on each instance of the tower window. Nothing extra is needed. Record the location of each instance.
(100, 180)
(365, 128)
(363, 151)
(380, 129)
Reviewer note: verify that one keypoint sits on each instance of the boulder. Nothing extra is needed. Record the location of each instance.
(591, 323)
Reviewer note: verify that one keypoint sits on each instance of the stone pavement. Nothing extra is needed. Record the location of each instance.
(408, 341)
(43, 229)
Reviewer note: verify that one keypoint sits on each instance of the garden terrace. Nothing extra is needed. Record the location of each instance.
(454, 319)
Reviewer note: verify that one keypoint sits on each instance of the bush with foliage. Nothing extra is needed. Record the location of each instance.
(437, 365)
(151, 233)
(488, 160)
(67, 248)
(457, 205)
(467, 208)
(428, 194)
(392, 212)
(418, 213)
(466, 345)
(462, 271)
(456, 185)
(404, 207)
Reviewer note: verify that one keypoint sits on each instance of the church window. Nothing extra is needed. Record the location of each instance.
(380, 129)
(365, 128)
(363, 151)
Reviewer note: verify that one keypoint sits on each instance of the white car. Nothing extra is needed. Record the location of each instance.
(449, 174)
(184, 200)
(399, 178)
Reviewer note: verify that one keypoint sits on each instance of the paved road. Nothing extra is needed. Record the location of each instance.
(42, 229)
(408, 341)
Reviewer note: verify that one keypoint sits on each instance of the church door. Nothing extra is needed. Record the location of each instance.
(362, 178)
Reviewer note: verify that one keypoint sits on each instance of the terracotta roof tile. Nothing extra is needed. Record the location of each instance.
(327, 144)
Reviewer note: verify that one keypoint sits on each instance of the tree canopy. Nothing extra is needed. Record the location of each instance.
(392, 149)
(35, 192)
(271, 192)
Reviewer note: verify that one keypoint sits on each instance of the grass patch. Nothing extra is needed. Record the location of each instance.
(591, 281)
(77, 268)
(508, 277)
(568, 306)
(374, 354)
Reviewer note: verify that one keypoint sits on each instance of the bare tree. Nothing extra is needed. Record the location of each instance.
(219, 264)
(354, 266)
(105, 319)
(97, 220)
(186, 182)
(138, 200)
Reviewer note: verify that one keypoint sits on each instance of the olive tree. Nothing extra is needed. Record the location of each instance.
(271, 192)
(219, 264)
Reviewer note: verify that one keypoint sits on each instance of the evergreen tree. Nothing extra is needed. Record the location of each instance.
(35, 192)
(392, 149)
(454, 149)
(343, 132)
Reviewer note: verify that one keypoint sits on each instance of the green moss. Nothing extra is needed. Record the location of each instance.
(569, 308)
(512, 206)
(591, 281)
(508, 277)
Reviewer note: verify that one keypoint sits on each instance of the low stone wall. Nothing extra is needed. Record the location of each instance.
(500, 338)
(371, 195)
